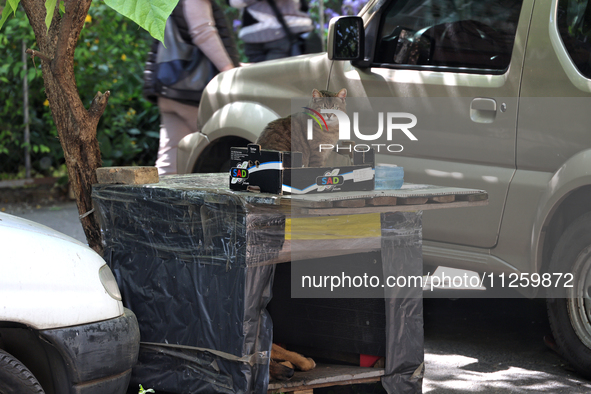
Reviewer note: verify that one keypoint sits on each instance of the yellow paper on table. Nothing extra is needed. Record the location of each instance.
(333, 227)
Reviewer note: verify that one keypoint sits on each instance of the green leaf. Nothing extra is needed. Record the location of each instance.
(152, 134)
(13, 4)
(50, 8)
(106, 147)
(31, 74)
(149, 14)
(62, 7)
(6, 12)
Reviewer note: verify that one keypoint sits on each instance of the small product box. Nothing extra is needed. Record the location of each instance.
(260, 170)
(276, 172)
(389, 176)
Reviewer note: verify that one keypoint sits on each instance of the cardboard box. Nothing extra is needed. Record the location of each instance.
(278, 172)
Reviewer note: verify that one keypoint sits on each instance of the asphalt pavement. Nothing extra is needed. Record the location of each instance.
(471, 345)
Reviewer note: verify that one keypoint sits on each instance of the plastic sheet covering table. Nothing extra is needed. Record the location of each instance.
(196, 262)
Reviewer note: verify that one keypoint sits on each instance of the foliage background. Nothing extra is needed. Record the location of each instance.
(110, 56)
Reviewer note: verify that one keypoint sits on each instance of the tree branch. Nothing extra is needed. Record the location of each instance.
(63, 38)
(98, 105)
(70, 27)
(35, 53)
(62, 68)
(34, 10)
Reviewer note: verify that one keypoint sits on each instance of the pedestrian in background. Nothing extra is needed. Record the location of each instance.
(263, 34)
(200, 23)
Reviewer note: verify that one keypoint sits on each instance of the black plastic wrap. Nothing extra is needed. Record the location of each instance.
(194, 261)
(186, 258)
(402, 255)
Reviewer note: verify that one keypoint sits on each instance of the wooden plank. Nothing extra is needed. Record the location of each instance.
(350, 203)
(380, 209)
(379, 201)
(448, 198)
(325, 376)
(412, 200)
(331, 384)
(422, 191)
(127, 175)
(305, 204)
(472, 197)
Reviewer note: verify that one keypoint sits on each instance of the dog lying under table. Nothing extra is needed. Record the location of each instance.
(284, 362)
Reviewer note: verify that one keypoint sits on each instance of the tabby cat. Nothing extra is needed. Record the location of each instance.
(290, 133)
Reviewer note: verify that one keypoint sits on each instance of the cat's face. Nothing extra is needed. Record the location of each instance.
(322, 99)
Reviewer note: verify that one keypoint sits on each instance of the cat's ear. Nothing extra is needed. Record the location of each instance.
(342, 93)
(316, 93)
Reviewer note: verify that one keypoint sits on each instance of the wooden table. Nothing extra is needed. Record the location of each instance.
(272, 214)
(411, 198)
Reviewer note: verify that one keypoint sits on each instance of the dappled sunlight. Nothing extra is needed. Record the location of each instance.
(490, 179)
(448, 79)
(555, 181)
(214, 84)
(242, 110)
(444, 174)
(225, 85)
(319, 60)
(210, 96)
(226, 111)
(458, 175)
(475, 377)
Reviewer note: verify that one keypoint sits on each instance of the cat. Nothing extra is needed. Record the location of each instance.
(290, 133)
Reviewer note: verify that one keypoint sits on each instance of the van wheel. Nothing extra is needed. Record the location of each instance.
(15, 378)
(569, 308)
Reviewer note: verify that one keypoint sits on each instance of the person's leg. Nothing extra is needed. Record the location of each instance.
(278, 49)
(178, 120)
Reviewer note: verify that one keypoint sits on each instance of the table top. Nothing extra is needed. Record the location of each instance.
(411, 197)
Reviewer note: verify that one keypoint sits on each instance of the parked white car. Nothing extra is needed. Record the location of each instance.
(63, 327)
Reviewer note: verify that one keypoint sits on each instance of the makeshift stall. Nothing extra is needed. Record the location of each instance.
(196, 261)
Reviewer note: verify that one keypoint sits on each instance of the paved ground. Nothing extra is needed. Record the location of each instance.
(471, 345)
(492, 346)
(59, 216)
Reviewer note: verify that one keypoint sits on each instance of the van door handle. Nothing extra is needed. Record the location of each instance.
(483, 110)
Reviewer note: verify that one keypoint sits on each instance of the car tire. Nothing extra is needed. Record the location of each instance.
(569, 308)
(15, 378)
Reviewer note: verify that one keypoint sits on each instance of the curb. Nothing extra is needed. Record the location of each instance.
(27, 182)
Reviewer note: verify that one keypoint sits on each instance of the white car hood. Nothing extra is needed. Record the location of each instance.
(48, 279)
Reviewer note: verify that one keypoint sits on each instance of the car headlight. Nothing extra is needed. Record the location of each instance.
(109, 282)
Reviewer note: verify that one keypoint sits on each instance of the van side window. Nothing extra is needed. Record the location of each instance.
(472, 35)
(574, 25)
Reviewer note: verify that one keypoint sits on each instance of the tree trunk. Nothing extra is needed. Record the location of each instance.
(76, 126)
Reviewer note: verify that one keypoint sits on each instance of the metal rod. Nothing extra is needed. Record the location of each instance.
(26, 114)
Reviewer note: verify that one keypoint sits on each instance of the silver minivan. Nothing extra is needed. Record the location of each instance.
(501, 90)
